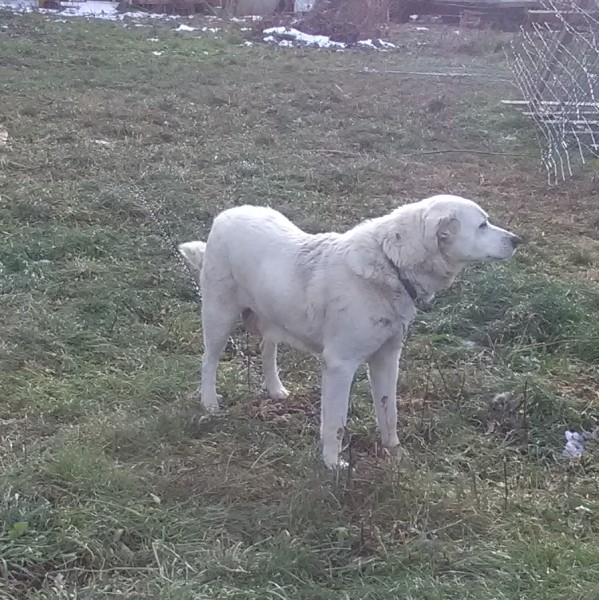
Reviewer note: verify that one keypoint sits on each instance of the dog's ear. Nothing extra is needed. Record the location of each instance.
(392, 246)
(447, 228)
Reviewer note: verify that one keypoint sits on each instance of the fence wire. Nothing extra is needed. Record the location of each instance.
(555, 63)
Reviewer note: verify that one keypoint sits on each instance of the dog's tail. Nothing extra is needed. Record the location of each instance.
(193, 253)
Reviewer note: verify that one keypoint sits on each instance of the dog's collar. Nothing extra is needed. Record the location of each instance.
(408, 286)
(405, 282)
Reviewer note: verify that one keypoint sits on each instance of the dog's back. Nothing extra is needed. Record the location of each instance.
(249, 233)
(250, 237)
(256, 258)
(251, 227)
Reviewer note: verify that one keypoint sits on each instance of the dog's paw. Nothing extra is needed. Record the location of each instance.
(276, 392)
(211, 406)
(398, 455)
(335, 463)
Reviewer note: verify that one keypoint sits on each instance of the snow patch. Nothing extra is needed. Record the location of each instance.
(185, 28)
(94, 9)
(289, 37)
(376, 44)
(284, 36)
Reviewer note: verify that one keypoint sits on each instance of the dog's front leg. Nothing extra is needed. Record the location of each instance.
(383, 369)
(337, 378)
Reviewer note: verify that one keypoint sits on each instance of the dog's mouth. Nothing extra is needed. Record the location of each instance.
(509, 252)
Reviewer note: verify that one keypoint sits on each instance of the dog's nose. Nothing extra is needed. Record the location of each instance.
(515, 240)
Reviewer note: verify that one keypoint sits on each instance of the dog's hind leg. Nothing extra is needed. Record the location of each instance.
(218, 321)
(272, 384)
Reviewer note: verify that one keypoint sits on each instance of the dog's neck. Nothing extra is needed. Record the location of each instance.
(422, 281)
(401, 267)
(433, 275)
(407, 284)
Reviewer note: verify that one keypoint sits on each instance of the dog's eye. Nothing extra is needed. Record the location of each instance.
(483, 225)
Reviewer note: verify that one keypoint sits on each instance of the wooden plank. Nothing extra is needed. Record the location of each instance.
(492, 4)
(551, 17)
(558, 119)
(550, 103)
(559, 115)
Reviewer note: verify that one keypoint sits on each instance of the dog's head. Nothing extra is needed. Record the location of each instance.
(462, 233)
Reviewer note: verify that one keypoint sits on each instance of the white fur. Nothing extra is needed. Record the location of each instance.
(337, 295)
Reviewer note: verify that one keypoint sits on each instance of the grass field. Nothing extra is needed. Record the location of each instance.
(113, 483)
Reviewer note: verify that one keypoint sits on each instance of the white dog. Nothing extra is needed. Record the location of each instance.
(348, 297)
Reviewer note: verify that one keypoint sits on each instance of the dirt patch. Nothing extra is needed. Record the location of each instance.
(347, 21)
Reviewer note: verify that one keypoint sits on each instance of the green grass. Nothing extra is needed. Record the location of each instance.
(113, 482)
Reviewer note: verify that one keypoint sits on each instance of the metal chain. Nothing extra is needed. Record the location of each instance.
(232, 347)
(173, 247)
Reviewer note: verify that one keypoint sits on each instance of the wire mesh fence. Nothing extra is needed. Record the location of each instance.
(555, 62)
